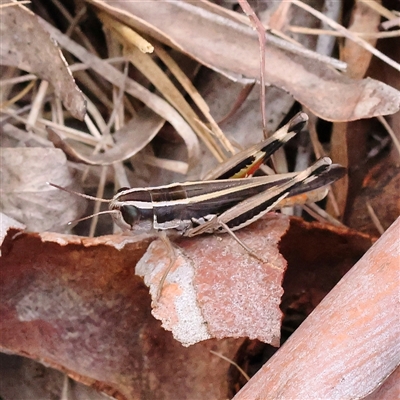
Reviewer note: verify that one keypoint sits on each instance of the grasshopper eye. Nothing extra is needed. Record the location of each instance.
(130, 214)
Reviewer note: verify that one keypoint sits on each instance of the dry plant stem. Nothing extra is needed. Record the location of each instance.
(232, 363)
(321, 215)
(73, 68)
(375, 218)
(148, 67)
(379, 9)
(65, 388)
(349, 344)
(315, 31)
(15, 3)
(348, 34)
(99, 194)
(390, 24)
(37, 104)
(82, 37)
(70, 133)
(331, 9)
(262, 40)
(93, 111)
(285, 42)
(76, 20)
(396, 142)
(18, 96)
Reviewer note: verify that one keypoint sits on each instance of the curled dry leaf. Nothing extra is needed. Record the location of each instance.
(129, 140)
(214, 37)
(26, 45)
(25, 194)
(349, 345)
(216, 289)
(76, 304)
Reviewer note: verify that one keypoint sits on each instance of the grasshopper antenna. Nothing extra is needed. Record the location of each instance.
(85, 196)
(75, 221)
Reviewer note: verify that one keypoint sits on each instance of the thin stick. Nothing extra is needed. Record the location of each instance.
(262, 41)
(375, 218)
(231, 362)
(365, 35)
(396, 142)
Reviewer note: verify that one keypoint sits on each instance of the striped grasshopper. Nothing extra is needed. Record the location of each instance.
(220, 204)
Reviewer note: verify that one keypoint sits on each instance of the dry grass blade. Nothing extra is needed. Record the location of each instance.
(127, 33)
(15, 3)
(379, 9)
(114, 76)
(149, 68)
(18, 96)
(195, 96)
(312, 31)
(348, 34)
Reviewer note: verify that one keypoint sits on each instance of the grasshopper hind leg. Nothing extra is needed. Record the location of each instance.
(172, 257)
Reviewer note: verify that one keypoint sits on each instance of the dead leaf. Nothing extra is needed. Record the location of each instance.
(129, 140)
(219, 41)
(25, 194)
(26, 45)
(76, 304)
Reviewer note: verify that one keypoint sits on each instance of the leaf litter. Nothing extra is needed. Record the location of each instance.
(209, 293)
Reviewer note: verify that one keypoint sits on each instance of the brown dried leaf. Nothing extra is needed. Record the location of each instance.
(216, 289)
(349, 345)
(129, 140)
(364, 20)
(26, 45)
(77, 305)
(25, 194)
(218, 40)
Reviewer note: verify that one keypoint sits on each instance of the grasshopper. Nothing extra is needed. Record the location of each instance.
(220, 204)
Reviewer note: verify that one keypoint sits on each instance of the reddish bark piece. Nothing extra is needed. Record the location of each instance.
(216, 289)
(350, 343)
(389, 390)
(76, 304)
